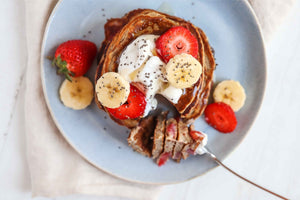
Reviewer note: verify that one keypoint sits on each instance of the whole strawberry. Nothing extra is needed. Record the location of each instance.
(74, 57)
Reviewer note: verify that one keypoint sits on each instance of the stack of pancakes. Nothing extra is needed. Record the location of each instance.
(120, 32)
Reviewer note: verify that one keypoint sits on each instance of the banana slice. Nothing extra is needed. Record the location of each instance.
(230, 92)
(77, 94)
(112, 90)
(183, 71)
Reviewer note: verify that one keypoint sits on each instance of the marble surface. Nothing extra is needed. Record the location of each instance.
(269, 155)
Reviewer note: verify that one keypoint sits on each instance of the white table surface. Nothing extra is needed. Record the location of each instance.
(269, 155)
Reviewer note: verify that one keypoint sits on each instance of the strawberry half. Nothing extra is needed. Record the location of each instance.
(221, 117)
(171, 130)
(133, 108)
(176, 40)
(140, 86)
(163, 158)
(196, 135)
(74, 57)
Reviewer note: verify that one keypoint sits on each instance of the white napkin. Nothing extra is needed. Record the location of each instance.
(270, 14)
(56, 169)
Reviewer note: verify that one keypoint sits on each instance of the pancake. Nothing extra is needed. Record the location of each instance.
(120, 32)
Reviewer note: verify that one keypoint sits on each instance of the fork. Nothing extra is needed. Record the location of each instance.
(207, 151)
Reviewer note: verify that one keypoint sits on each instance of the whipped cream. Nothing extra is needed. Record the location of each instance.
(173, 94)
(139, 63)
(203, 143)
(135, 55)
(150, 75)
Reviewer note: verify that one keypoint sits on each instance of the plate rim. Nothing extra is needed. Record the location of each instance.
(42, 59)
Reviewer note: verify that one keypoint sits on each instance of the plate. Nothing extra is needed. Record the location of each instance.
(233, 32)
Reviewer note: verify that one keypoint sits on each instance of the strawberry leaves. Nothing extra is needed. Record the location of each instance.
(62, 67)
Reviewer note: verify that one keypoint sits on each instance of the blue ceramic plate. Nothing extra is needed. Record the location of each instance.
(234, 33)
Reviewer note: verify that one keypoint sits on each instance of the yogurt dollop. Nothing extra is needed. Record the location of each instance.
(139, 63)
(203, 143)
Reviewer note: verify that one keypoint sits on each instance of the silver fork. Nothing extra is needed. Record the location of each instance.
(207, 151)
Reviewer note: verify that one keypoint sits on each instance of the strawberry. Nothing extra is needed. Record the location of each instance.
(140, 86)
(163, 158)
(220, 116)
(171, 130)
(176, 40)
(133, 108)
(74, 57)
(196, 135)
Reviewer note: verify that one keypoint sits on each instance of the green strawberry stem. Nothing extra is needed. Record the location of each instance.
(62, 68)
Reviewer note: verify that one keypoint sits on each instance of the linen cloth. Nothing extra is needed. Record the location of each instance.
(56, 169)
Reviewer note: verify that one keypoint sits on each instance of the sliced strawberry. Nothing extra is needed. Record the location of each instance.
(171, 130)
(163, 158)
(177, 155)
(191, 151)
(221, 117)
(133, 108)
(140, 86)
(176, 40)
(196, 135)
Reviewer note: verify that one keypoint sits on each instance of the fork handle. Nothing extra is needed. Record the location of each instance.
(233, 172)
